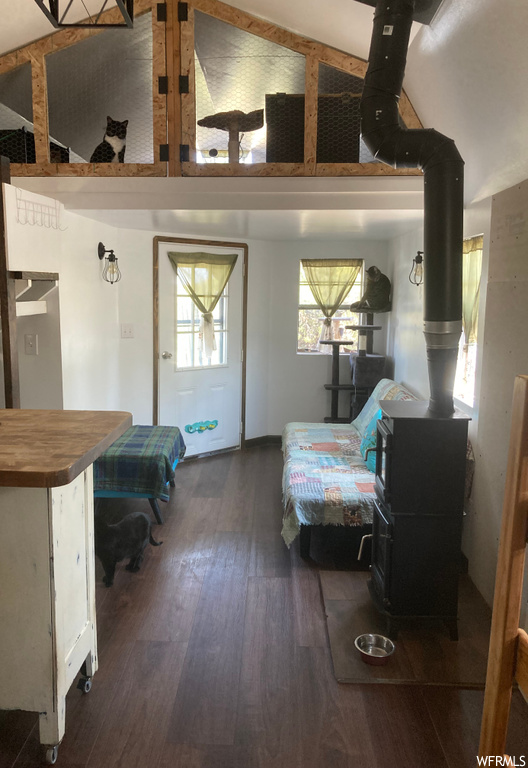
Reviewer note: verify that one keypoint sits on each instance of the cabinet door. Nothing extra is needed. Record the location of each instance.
(72, 575)
(381, 554)
(26, 623)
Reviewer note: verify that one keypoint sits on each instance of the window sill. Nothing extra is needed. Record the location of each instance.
(464, 407)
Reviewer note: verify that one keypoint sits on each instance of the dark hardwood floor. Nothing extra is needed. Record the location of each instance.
(215, 655)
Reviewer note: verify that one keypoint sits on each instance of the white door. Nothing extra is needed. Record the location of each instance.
(202, 396)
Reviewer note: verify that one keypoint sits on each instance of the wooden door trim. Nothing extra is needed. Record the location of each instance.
(155, 310)
(8, 306)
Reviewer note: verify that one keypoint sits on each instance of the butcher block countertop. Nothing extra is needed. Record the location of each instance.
(46, 449)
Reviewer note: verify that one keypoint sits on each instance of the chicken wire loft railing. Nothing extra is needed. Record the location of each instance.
(193, 89)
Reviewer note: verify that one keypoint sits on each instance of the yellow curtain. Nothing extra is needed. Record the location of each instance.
(330, 280)
(472, 267)
(204, 276)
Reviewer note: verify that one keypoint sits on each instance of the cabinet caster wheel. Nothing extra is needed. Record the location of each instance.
(51, 754)
(85, 684)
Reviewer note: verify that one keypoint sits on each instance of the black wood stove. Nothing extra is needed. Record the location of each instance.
(420, 472)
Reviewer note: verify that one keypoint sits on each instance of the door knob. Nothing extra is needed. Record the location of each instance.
(166, 355)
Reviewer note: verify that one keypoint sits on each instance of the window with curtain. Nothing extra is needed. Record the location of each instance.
(201, 307)
(327, 288)
(467, 354)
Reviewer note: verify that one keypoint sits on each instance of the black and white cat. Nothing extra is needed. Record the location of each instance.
(112, 148)
(125, 539)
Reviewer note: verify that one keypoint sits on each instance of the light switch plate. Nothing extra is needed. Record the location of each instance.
(127, 330)
(31, 344)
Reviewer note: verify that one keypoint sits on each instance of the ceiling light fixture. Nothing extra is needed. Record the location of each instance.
(111, 271)
(59, 11)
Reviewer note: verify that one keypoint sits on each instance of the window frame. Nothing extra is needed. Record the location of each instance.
(220, 332)
(358, 285)
(463, 405)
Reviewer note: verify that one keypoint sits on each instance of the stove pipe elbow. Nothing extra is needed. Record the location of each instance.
(443, 170)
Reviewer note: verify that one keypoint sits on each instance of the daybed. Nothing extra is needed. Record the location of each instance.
(326, 480)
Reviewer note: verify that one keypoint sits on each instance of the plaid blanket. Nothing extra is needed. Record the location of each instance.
(140, 461)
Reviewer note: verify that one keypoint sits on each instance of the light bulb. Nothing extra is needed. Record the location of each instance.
(111, 272)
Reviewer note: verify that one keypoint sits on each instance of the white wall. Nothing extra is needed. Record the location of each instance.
(134, 355)
(89, 307)
(465, 76)
(41, 374)
(89, 318)
(282, 386)
(504, 355)
(406, 343)
(296, 382)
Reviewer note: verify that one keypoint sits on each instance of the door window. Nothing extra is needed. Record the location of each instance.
(190, 352)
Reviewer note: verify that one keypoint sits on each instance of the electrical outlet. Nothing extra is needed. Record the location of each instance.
(31, 344)
(127, 331)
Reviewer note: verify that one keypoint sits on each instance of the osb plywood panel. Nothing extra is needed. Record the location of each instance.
(294, 169)
(40, 107)
(88, 169)
(173, 96)
(240, 169)
(409, 116)
(363, 169)
(310, 114)
(158, 69)
(188, 106)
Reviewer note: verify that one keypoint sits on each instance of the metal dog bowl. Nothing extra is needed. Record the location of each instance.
(374, 649)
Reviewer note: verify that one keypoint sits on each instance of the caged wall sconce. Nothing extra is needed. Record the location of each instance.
(58, 15)
(111, 271)
(416, 273)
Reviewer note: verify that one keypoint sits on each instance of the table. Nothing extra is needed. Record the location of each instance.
(140, 464)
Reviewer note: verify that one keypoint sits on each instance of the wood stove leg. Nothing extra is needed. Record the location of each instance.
(304, 541)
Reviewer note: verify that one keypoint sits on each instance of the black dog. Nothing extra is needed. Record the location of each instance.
(127, 538)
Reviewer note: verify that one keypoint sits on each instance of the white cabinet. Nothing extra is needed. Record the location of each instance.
(47, 562)
(47, 598)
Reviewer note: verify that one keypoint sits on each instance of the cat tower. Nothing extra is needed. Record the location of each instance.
(234, 122)
(366, 367)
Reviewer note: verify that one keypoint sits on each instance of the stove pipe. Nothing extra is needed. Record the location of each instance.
(443, 170)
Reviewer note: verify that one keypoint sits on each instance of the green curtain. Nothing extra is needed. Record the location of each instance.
(330, 280)
(204, 276)
(472, 267)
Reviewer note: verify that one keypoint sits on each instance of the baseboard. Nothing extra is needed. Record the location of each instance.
(264, 440)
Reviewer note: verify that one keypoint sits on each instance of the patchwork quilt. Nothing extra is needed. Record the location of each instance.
(325, 479)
